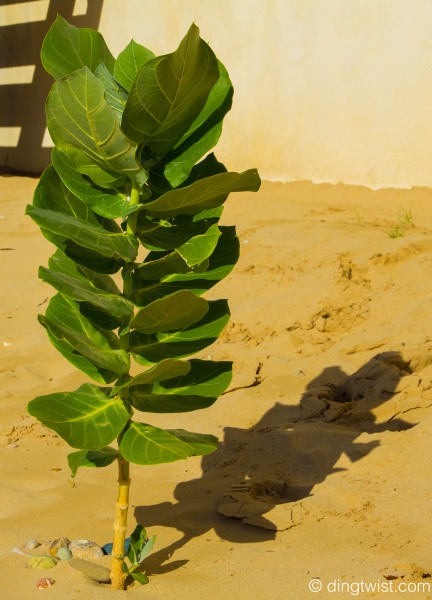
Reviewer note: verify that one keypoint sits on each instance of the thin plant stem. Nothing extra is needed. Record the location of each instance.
(118, 571)
(118, 575)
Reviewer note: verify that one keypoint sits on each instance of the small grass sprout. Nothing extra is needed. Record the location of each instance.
(405, 222)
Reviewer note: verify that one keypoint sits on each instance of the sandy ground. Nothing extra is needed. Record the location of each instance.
(325, 455)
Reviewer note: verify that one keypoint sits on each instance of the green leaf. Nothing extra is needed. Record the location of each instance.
(51, 194)
(161, 235)
(92, 260)
(198, 389)
(147, 548)
(80, 120)
(91, 458)
(149, 349)
(221, 263)
(200, 247)
(85, 419)
(201, 443)
(62, 312)
(140, 577)
(129, 61)
(79, 289)
(112, 245)
(166, 369)
(66, 324)
(62, 264)
(110, 203)
(168, 94)
(176, 311)
(140, 547)
(115, 94)
(204, 193)
(144, 444)
(116, 361)
(160, 267)
(67, 48)
(203, 134)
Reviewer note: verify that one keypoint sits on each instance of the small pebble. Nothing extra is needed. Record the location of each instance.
(107, 548)
(45, 583)
(7, 344)
(19, 551)
(85, 549)
(31, 544)
(91, 571)
(42, 561)
(62, 542)
(64, 554)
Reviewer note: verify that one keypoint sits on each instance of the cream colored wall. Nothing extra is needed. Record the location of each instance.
(326, 90)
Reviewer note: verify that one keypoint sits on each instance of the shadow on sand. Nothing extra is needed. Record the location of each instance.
(284, 455)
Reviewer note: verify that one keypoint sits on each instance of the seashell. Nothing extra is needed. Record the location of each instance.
(85, 549)
(45, 583)
(31, 544)
(64, 554)
(42, 561)
(91, 571)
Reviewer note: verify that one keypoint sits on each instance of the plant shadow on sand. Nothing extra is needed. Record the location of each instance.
(261, 475)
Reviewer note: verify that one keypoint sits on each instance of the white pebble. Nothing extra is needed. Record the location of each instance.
(85, 549)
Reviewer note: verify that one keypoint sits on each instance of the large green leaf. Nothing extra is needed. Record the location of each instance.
(91, 458)
(198, 389)
(86, 419)
(147, 445)
(67, 48)
(203, 194)
(111, 203)
(199, 248)
(176, 311)
(203, 134)
(81, 122)
(63, 312)
(220, 264)
(168, 94)
(116, 361)
(79, 289)
(112, 245)
(62, 264)
(160, 267)
(51, 194)
(164, 235)
(128, 63)
(98, 316)
(149, 349)
(65, 323)
(166, 369)
(91, 259)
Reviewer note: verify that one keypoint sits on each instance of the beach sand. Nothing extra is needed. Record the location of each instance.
(324, 461)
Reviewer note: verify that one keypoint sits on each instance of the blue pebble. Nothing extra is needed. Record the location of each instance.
(107, 548)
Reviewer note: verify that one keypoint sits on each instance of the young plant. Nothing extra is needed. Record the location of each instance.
(127, 173)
